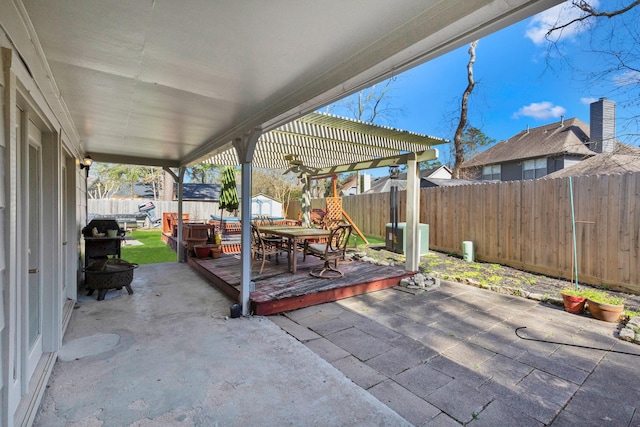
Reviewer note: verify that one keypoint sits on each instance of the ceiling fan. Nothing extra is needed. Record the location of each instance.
(296, 166)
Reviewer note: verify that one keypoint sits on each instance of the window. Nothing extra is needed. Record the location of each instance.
(491, 172)
(534, 168)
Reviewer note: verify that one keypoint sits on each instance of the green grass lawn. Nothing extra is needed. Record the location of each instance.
(152, 250)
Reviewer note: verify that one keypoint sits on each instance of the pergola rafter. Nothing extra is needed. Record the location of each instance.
(322, 141)
(329, 145)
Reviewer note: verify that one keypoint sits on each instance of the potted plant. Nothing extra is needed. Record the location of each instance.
(215, 251)
(574, 300)
(603, 306)
(202, 251)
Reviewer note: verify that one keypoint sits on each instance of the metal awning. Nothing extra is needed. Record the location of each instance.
(322, 141)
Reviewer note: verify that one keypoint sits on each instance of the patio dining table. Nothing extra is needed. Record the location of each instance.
(295, 235)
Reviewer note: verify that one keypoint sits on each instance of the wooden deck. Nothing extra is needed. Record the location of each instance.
(277, 290)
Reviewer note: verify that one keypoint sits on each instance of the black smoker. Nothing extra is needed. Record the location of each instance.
(102, 245)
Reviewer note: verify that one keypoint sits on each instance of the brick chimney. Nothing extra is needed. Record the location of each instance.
(603, 126)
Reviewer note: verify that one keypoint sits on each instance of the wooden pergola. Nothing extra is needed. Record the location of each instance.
(319, 145)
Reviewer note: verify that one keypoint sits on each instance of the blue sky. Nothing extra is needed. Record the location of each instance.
(515, 87)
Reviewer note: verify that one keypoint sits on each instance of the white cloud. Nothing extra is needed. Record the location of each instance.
(627, 78)
(540, 111)
(562, 13)
(588, 101)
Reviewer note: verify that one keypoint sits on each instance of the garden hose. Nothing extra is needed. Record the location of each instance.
(572, 345)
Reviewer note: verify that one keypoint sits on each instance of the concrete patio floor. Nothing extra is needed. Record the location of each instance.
(167, 356)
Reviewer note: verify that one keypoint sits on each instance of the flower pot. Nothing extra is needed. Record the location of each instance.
(192, 242)
(606, 312)
(573, 304)
(215, 252)
(202, 251)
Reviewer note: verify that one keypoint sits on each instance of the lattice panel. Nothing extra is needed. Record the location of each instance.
(334, 212)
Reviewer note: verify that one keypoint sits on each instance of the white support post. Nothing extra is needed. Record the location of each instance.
(245, 148)
(413, 215)
(180, 236)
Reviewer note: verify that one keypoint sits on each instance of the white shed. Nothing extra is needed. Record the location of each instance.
(264, 205)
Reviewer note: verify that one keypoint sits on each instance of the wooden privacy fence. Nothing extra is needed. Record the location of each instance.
(527, 224)
(198, 211)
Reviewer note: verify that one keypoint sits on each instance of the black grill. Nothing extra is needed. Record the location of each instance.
(102, 225)
(97, 247)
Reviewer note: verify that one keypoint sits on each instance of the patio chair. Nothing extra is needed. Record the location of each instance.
(333, 250)
(265, 220)
(262, 247)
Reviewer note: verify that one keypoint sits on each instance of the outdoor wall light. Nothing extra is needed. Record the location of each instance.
(86, 163)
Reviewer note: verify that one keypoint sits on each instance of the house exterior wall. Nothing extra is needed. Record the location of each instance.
(441, 173)
(42, 207)
(513, 171)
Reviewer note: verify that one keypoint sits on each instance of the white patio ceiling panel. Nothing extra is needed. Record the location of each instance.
(171, 82)
(321, 140)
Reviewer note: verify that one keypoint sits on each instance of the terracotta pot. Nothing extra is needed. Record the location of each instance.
(193, 242)
(573, 304)
(215, 252)
(606, 312)
(202, 251)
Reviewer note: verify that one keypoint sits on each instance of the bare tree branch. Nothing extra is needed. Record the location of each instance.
(457, 138)
(608, 51)
(590, 12)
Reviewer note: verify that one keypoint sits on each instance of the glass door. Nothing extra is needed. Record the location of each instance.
(33, 304)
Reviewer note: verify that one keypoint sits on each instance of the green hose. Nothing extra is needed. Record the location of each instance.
(573, 230)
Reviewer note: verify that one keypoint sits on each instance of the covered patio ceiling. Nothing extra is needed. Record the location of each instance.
(325, 144)
(170, 83)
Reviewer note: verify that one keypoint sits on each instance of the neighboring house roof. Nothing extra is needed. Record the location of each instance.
(351, 182)
(199, 191)
(444, 182)
(140, 190)
(564, 137)
(623, 159)
(383, 184)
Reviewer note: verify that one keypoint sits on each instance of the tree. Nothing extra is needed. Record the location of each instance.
(108, 178)
(458, 143)
(273, 183)
(204, 173)
(471, 141)
(611, 49)
(103, 182)
(372, 105)
(153, 176)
